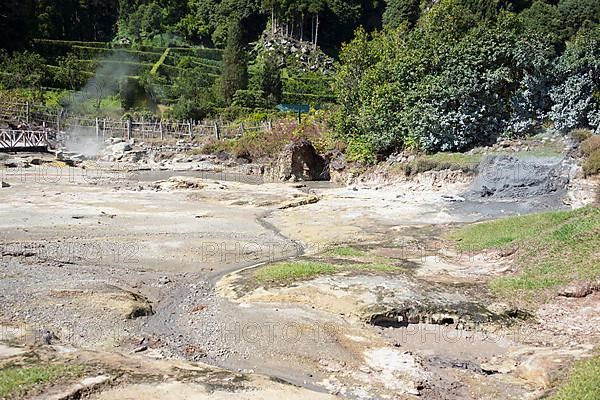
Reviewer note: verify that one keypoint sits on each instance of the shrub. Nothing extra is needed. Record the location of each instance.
(579, 135)
(131, 94)
(250, 99)
(591, 165)
(69, 75)
(590, 145)
(360, 149)
(190, 109)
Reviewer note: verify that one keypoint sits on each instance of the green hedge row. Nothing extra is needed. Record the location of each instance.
(174, 60)
(70, 43)
(208, 68)
(199, 52)
(92, 65)
(53, 51)
(173, 72)
(139, 56)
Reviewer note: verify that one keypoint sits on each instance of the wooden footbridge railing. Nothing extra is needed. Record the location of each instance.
(13, 140)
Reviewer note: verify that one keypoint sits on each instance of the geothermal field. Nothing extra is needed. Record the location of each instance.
(143, 271)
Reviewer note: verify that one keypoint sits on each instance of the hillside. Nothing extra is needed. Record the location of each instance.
(399, 75)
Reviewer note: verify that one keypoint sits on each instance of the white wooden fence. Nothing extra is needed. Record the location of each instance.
(59, 120)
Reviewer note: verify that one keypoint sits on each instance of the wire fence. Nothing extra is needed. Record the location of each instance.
(61, 121)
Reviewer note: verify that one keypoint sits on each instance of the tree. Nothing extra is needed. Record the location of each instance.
(574, 13)
(16, 23)
(235, 65)
(23, 70)
(69, 73)
(544, 19)
(49, 19)
(201, 21)
(398, 12)
(271, 79)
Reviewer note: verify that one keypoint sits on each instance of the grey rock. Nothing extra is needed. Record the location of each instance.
(300, 161)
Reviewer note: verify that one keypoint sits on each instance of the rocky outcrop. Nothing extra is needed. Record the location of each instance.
(337, 166)
(300, 54)
(299, 161)
(505, 176)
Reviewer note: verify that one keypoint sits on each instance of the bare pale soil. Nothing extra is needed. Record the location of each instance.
(150, 286)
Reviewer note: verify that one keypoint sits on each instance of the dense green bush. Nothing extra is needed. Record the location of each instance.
(465, 76)
(577, 96)
(198, 52)
(185, 109)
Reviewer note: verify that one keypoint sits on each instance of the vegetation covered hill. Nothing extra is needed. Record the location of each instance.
(429, 75)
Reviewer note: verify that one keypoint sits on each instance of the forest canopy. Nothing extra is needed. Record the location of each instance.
(431, 75)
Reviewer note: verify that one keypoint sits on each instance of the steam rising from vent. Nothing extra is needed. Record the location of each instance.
(83, 141)
(106, 82)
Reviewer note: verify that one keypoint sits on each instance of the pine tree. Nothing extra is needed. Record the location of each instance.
(271, 82)
(235, 64)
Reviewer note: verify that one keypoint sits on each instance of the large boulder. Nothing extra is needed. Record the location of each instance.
(121, 147)
(299, 161)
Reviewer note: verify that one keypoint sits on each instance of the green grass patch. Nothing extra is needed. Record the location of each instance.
(554, 248)
(377, 266)
(345, 252)
(504, 232)
(292, 271)
(441, 161)
(583, 382)
(287, 272)
(539, 148)
(16, 380)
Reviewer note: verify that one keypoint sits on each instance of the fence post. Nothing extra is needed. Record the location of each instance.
(162, 131)
(58, 121)
(128, 129)
(190, 129)
(270, 125)
(217, 133)
(97, 129)
(104, 129)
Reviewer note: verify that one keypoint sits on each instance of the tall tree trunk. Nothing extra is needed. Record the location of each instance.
(302, 27)
(317, 32)
(273, 29)
(312, 29)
